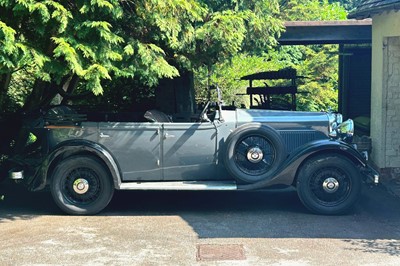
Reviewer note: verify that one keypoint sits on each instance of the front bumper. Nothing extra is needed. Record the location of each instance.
(371, 176)
(16, 174)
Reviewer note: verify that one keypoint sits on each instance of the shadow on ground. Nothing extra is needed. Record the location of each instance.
(372, 226)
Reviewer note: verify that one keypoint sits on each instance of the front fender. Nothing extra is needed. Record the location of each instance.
(70, 148)
(286, 174)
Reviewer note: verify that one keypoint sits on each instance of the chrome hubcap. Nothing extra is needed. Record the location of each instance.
(81, 186)
(330, 185)
(255, 155)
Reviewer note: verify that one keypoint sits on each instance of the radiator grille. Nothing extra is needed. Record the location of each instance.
(296, 138)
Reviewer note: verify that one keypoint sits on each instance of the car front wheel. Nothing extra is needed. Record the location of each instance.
(329, 184)
(81, 185)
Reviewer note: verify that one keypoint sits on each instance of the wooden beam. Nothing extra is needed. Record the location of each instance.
(327, 32)
(272, 90)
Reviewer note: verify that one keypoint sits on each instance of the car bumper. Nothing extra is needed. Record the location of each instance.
(371, 176)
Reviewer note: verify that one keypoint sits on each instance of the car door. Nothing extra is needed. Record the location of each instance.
(189, 151)
(136, 148)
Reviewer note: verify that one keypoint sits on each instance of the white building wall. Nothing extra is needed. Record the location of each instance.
(391, 81)
(385, 90)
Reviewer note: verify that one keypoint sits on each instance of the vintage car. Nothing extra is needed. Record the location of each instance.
(83, 162)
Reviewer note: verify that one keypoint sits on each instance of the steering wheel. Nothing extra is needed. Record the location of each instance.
(203, 115)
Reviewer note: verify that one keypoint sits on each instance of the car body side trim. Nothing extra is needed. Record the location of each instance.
(180, 185)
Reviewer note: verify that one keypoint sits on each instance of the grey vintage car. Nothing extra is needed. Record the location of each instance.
(83, 162)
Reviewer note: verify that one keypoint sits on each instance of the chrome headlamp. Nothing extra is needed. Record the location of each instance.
(346, 128)
(339, 118)
(339, 129)
(335, 119)
(343, 131)
(332, 122)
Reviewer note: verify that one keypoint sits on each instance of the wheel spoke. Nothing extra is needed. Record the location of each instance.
(86, 174)
(268, 164)
(242, 148)
(254, 167)
(328, 197)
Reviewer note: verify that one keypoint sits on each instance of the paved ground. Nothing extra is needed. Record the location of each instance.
(392, 183)
(199, 228)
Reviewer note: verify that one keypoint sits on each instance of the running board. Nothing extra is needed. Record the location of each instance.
(180, 185)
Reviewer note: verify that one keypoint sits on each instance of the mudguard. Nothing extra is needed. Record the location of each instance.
(70, 148)
(286, 174)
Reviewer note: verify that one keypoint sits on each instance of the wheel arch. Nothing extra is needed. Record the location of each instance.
(351, 156)
(71, 148)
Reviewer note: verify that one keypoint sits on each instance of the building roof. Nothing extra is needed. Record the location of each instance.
(369, 8)
(327, 32)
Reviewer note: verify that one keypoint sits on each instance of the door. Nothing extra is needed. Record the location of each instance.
(135, 147)
(189, 151)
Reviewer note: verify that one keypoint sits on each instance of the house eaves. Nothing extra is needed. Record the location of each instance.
(369, 8)
(327, 32)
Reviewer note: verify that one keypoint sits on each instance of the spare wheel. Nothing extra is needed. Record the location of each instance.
(254, 152)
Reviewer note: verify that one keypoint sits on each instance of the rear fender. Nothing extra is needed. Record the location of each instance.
(70, 148)
(286, 174)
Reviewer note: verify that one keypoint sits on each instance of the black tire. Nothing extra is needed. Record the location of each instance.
(329, 184)
(3, 176)
(81, 185)
(3, 173)
(260, 141)
(4, 168)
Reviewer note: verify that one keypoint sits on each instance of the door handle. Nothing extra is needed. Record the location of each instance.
(102, 135)
(168, 136)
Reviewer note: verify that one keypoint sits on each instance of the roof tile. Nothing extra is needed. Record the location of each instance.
(371, 7)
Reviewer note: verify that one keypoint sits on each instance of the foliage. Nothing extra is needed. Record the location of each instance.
(236, 26)
(228, 76)
(349, 5)
(320, 67)
(94, 41)
(319, 64)
(312, 10)
(48, 46)
(78, 46)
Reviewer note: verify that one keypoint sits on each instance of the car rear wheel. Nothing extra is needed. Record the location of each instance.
(254, 152)
(329, 184)
(81, 185)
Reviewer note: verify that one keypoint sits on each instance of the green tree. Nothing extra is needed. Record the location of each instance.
(228, 75)
(349, 5)
(295, 10)
(319, 64)
(65, 45)
(64, 42)
(231, 27)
